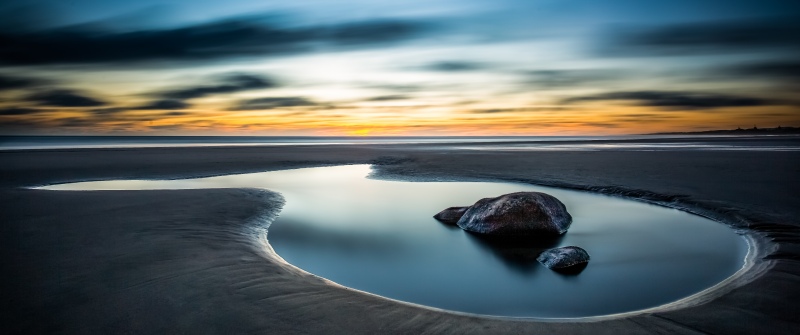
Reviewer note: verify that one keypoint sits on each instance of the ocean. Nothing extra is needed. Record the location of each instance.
(548, 143)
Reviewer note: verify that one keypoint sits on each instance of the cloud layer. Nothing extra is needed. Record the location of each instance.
(15, 83)
(64, 98)
(177, 98)
(230, 83)
(436, 67)
(711, 37)
(272, 103)
(215, 40)
(675, 100)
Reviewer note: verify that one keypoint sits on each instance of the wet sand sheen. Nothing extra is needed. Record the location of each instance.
(378, 236)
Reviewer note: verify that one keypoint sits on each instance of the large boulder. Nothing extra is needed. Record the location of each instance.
(521, 214)
(451, 215)
(564, 258)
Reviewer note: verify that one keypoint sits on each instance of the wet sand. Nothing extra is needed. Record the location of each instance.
(191, 262)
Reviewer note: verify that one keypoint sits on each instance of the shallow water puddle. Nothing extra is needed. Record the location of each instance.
(379, 236)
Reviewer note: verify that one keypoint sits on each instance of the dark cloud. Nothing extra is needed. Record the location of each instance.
(18, 111)
(13, 83)
(230, 83)
(494, 110)
(371, 32)
(108, 111)
(225, 84)
(63, 98)
(517, 110)
(19, 124)
(75, 122)
(642, 117)
(601, 124)
(120, 114)
(389, 97)
(165, 104)
(216, 40)
(788, 70)
(676, 100)
(567, 78)
(454, 66)
(176, 113)
(403, 88)
(272, 103)
(166, 127)
(707, 38)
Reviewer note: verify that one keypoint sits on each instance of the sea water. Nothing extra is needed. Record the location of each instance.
(379, 236)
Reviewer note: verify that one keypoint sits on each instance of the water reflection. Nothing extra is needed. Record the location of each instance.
(379, 236)
(520, 254)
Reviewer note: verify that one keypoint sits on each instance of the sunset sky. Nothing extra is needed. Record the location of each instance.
(386, 68)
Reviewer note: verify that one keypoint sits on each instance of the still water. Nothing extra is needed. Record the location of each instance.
(379, 236)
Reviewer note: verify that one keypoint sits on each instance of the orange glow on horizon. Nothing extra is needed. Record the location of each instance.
(359, 132)
(404, 121)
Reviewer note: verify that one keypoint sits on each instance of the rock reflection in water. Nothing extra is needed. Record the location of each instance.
(518, 254)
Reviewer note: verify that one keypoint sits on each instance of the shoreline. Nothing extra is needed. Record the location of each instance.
(756, 245)
(399, 162)
(477, 141)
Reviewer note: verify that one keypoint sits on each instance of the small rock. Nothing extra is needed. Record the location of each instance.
(451, 215)
(564, 257)
(521, 214)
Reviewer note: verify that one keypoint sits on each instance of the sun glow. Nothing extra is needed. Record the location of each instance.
(359, 132)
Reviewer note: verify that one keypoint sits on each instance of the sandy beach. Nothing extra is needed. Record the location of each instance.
(191, 261)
